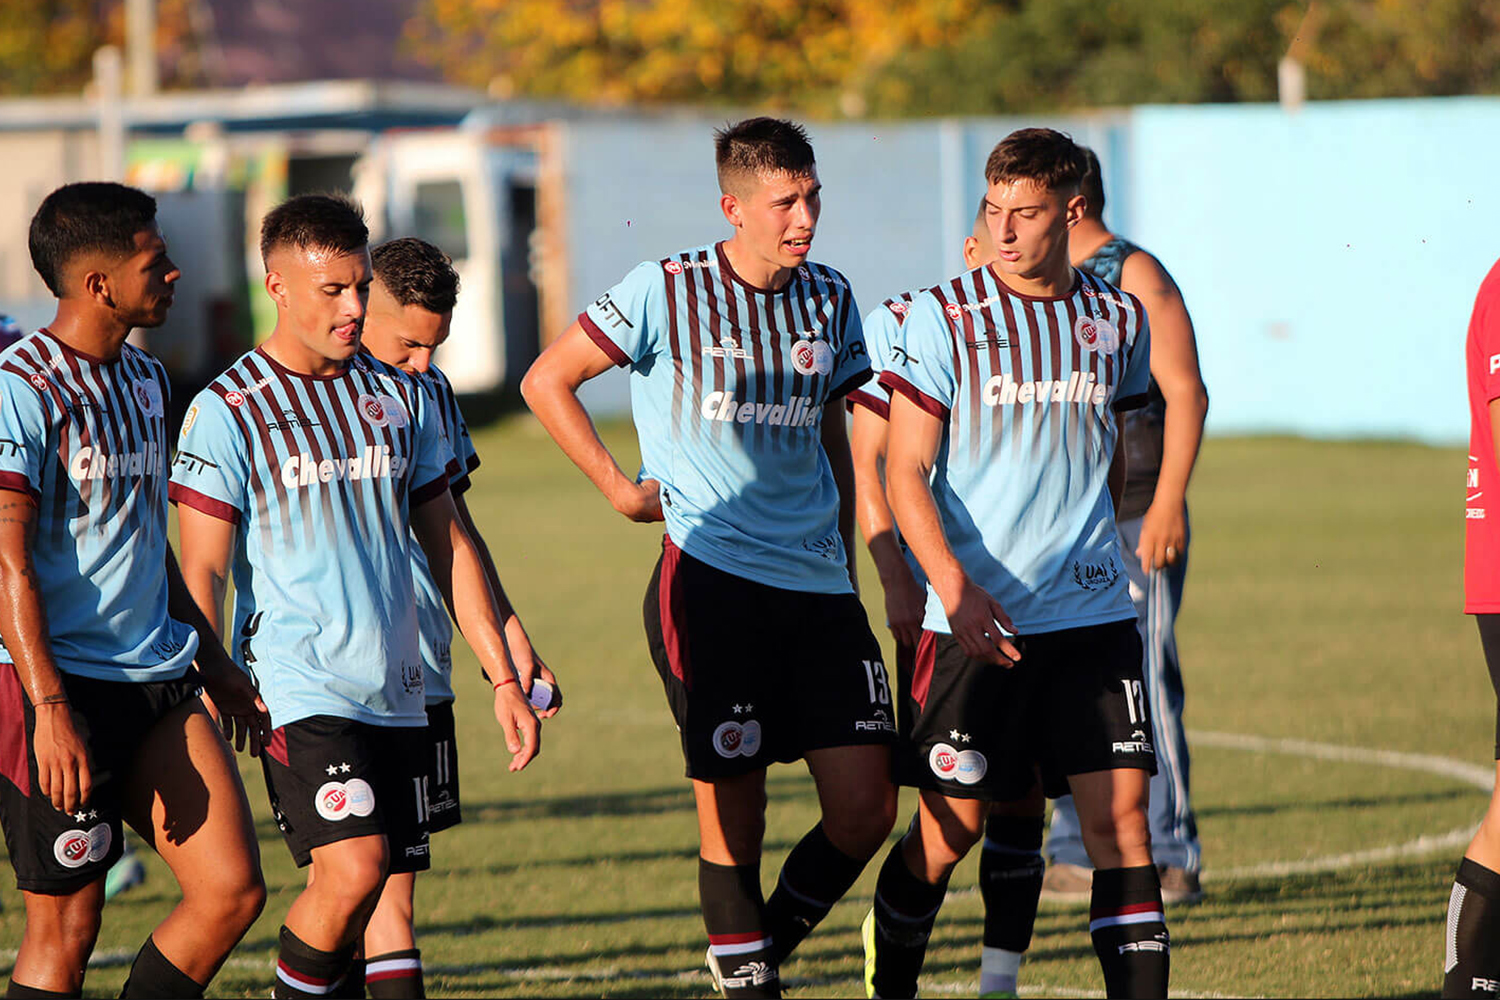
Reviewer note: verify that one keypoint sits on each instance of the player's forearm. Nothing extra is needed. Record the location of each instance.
(557, 407)
(474, 610)
(23, 617)
(917, 515)
(1182, 436)
(184, 607)
(1118, 469)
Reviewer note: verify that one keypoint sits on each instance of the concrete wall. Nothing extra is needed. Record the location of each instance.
(35, 163)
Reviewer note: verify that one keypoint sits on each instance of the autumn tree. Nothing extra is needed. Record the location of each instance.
(47, 46)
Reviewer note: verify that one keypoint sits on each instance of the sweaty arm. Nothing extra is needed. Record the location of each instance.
(459, 572)
(1117, 471)
(1174, 366)
(551, 390)
(975, 617)
(529, 666)
(835, 439)
(61, 760)
(904, 599)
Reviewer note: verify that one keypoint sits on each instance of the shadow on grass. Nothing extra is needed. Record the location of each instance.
(1317, 805)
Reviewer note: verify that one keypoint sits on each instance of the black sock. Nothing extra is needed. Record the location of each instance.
(906, 907)
(815, 876)
(15, 991)
(394, 974)
(734, 912)
(353, 986)
(1471, 967)
(153, 975)
(304, 971)
(1130, 932)
(1010, 880)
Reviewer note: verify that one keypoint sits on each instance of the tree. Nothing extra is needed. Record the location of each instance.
(47, 46)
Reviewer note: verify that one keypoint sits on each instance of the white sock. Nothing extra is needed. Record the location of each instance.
(997, 970)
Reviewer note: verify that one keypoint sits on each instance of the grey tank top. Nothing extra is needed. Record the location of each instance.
(1143, 427)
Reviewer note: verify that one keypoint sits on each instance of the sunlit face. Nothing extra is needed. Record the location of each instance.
(776, 215)
(321, 297)
(137, 287)
(403, 335)
(1028, 225)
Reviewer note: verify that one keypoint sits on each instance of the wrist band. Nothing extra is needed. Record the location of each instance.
(54, 699)
(508, 680)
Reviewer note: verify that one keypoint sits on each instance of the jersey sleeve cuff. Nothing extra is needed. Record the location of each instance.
(18, 483)
(851, 383)
(880, 407)
(1135, 402)
(429, 491)
(895, 383)
(601, 338)
(460, 484)
(472, 462)
(180, 494)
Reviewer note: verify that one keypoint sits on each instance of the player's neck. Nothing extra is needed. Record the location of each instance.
(1050, 282)
(753, 269)
(88, 331)
(1086, 238)
(290, 353)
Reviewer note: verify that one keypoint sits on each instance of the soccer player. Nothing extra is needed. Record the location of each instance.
(410, 310)
(1002, 470)
(740, 354)
(1010, 866)
(1161, 441)
(1471, 965)
(305, 469)
(99, 719)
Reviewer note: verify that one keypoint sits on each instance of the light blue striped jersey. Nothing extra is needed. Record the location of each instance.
(320, 474)
(432, 614)
(1028, 388)
(727, 387)
(86, 440)
(882, 332)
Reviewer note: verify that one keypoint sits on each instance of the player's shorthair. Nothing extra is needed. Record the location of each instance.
(416, 273)
(1046, 156)
(330, 222)
(761, 146)
(90, 217)
(1092, 184)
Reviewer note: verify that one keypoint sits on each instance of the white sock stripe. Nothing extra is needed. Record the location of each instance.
(740, 949)
(303, 985)
(393, 965)
(1123, 919)
(1455, 909)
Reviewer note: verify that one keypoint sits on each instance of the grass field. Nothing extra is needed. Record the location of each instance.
(1323, 605)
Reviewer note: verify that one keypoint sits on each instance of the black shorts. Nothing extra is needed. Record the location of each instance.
(59, 853)
(333, 779)
(1075, 703)
(442, 769)
(1489, 638)
(756, 674)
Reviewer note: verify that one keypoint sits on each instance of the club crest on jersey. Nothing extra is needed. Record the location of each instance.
(812, 357)
(234, 398)
(1096, 334)
(381, 411)
(147, 396)
(735, 739)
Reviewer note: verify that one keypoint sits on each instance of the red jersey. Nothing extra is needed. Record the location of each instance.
(1482, 541)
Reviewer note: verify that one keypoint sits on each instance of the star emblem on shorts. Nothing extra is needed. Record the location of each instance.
(80, 817)
(93, 814)
(953, 734)
(332, 769)
(344, 767)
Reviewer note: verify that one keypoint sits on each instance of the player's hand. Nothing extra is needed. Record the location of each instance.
(235, 702)
(62, 762)
(523, 733)
(1163, 536)
(977, 621)
(640, 502)
(905, 606)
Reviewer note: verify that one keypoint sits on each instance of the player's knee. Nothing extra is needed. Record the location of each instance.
(860, 826)
(351, 877)
(67, 929)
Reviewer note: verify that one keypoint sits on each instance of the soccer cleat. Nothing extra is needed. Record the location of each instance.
(1179, 886)
(125, 874)
(1067, 885)
(868, 935)
(713, 971)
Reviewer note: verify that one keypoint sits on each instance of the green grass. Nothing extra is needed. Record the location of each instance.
(1323, 604)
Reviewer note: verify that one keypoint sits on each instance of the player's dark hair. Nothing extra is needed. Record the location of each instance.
(1044, 155)
(90, 217)
(979, 212)
(1091, 185)
(761, 146)
(416, 273)
(330, 222)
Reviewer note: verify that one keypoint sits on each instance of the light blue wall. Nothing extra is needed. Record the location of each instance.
(1329, 257)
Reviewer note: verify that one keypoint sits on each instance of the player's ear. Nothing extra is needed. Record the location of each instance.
(276, 288)
(730, 206)
(971, 252)
(95, 285)
(1073, 210)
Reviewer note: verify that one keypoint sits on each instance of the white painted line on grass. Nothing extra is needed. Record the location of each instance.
(1469, 774)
